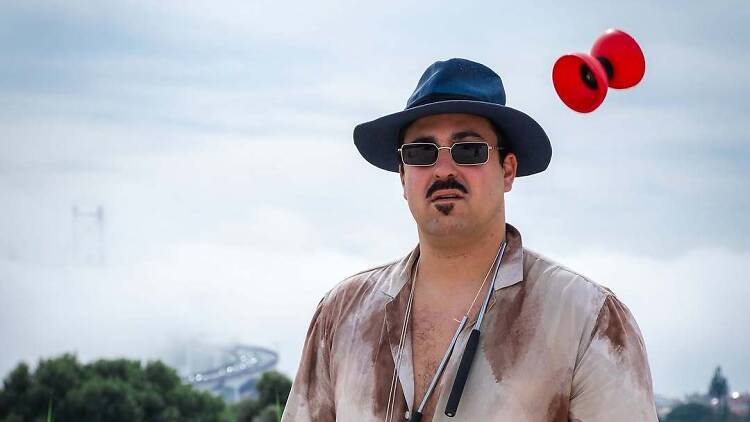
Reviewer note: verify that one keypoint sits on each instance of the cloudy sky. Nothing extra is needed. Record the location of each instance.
(217, 139)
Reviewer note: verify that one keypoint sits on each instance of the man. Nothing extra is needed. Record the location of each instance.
(387, 343)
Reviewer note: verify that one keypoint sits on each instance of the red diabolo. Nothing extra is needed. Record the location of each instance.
(581, 79)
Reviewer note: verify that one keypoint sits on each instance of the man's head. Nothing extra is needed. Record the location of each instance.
(456, 100)
(451, 199)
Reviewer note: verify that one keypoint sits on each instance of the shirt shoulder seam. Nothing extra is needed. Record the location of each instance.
(604, 290)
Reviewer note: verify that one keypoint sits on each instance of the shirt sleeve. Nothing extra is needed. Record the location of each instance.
(311, 398)
(612, 379)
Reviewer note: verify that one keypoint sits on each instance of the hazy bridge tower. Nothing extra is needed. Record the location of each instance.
(88, 235)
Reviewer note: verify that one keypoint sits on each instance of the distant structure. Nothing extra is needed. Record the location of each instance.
(718, 390)
(88, 235)
(718, 400)
(229, 372)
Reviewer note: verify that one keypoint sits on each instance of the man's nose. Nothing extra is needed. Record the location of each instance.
(444, 166)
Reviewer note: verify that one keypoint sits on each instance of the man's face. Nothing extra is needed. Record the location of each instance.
(478, 190)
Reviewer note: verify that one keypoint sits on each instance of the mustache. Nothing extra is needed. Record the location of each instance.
(446, 184)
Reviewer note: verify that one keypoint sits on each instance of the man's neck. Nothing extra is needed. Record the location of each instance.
(459, 265)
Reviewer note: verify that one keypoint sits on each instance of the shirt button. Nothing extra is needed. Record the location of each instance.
(407, 415)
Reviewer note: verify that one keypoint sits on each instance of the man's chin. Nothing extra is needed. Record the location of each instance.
(445, 226)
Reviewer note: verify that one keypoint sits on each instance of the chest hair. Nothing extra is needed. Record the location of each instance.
(432, 331)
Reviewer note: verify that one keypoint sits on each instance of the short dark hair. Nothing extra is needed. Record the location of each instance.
(495, 128)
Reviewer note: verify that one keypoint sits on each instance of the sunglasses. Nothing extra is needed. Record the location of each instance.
(463, 153)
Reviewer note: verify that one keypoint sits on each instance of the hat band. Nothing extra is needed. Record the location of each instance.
(437, 97)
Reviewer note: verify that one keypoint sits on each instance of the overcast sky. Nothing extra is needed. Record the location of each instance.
(218, 140)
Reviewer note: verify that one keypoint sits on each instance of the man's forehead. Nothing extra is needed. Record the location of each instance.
(455, 125)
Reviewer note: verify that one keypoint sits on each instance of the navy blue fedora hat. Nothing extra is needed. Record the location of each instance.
(457, 86)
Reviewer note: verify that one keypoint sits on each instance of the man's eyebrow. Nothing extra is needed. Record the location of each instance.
(455, 138)
(465, 134)
(423, 139)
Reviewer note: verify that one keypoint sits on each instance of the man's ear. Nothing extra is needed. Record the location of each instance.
(401, 176)
(510, 165)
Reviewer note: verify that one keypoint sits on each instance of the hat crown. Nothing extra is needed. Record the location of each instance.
(457, 79)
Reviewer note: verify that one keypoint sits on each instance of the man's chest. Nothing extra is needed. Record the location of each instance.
(431, 334)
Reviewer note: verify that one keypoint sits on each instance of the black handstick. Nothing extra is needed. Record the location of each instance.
(416, 417)
(462, 374)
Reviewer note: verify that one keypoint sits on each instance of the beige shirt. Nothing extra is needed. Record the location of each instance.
(554, 346)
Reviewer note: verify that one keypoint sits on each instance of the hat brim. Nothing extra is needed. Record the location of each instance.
(378, 140)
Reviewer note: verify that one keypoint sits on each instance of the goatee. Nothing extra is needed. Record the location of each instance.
(444, 208)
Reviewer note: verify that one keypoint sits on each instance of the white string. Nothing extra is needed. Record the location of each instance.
(480, 288)
(391, 407)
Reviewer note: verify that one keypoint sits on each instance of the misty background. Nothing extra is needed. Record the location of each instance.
(217, 140)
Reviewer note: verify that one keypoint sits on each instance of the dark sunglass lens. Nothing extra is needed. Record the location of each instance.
(470, 153)
(419, 154)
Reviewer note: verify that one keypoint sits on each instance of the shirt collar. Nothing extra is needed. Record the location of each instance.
(511, 266)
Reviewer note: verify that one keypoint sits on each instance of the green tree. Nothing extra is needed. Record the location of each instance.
(273, 387)
(105, 390)
(268, 414)
(247, 409)
(690, 412)
(719, 387)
